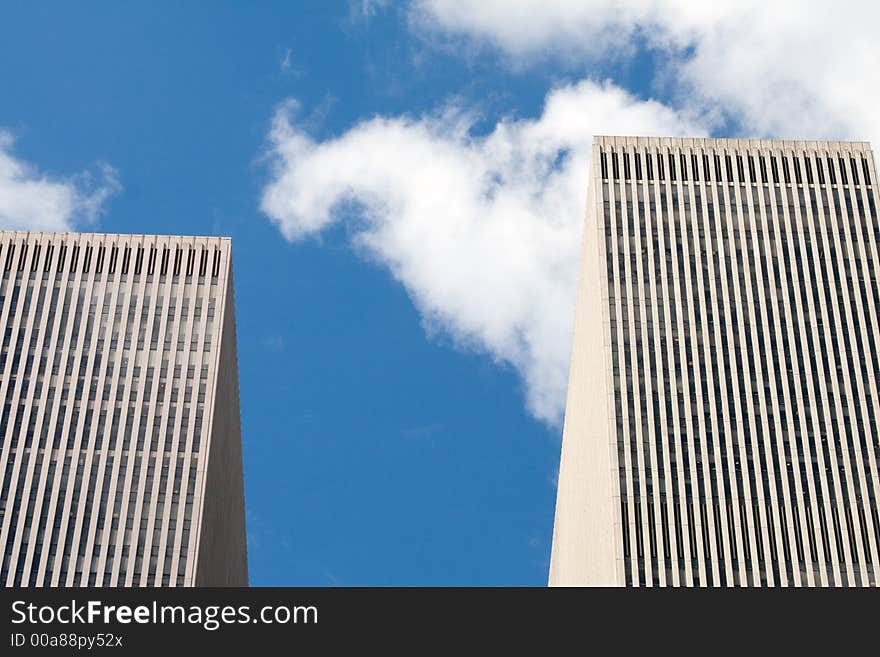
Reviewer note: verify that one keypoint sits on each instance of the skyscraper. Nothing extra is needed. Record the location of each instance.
(120, 438)
(721, 421)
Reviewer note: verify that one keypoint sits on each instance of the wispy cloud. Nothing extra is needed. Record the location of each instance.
(32, 200)
(422, 432)
(274, 343)
(285, 60)
(369, 7)
(288, 64)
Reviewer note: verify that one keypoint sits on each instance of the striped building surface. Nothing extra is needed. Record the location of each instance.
(120, 440)
(721, 421)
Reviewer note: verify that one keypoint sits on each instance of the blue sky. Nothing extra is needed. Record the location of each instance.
(404, 185)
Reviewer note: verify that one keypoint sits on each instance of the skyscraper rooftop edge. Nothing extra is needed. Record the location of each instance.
(86, 233)
(756, 143)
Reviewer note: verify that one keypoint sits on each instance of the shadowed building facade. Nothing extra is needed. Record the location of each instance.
(721, 420)
(120, 438)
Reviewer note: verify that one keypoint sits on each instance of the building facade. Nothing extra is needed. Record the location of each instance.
(120, 439)
(721, 420)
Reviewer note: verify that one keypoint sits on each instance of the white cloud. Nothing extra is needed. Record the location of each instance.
(789, 68)
(484, 232)
(573, 28)
(30, 200)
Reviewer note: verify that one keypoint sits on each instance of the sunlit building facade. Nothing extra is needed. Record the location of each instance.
(721, 420)
(120, 439)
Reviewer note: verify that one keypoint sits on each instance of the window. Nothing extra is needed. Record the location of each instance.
(855, 171)
(831, 177)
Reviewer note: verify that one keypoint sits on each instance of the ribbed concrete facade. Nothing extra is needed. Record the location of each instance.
(120, 440)
(721, 422)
